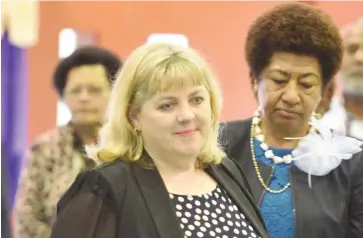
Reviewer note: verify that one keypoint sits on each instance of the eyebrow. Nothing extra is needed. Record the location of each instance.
(195, 92)
(172, 97)
(279, 71)
(288, 74)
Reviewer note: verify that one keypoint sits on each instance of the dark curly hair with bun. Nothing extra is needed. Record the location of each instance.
(295, 28)
(86, 55)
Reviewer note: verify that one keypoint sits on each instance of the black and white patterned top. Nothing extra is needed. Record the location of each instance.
(211, 215)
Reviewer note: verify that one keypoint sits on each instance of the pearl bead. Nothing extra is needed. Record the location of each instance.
(264, 146)
(260, 137)
(278, 159)
(268, 153)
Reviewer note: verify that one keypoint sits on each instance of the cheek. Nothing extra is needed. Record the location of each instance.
(268, 100)
(204, 115)
(316, 98)
(101, 100)
(346, 61)
(264, 97)
(103, 105)
(316, 105)
(71, 104)
(152, 131)
(311, 103)
(154, 124)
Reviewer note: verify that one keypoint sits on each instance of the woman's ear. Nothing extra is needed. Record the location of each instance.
(326, 98)
(253, 82)
(133, 117)
(254, 86)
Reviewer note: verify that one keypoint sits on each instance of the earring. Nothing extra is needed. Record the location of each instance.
(317, 115)
(255, 88)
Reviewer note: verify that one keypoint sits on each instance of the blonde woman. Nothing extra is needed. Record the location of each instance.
(169, 177)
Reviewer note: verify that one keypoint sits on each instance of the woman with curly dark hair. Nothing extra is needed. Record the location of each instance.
(306, 179)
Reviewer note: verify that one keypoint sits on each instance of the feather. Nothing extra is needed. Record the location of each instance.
(319, 153)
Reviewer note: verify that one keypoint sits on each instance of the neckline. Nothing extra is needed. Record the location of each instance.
(210, 193)
(255, 141)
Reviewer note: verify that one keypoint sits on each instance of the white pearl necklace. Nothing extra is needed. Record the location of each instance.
(287, 159)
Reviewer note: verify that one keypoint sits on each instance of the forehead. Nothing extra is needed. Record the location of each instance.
(174, 79)
(293, 63)
(87, 74)
(354, 36)
(184, 91)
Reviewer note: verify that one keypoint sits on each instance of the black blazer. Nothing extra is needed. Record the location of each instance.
(124, 200)
(332, 208)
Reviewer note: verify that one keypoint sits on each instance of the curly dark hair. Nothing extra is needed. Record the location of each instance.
(86, 55)
(295, 28)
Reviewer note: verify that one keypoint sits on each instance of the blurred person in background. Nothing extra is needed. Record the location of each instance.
(6, 231)
(83, 81)
(345, 113)
(307, 181)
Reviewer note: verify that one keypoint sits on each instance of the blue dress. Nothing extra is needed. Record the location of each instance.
(277, 209)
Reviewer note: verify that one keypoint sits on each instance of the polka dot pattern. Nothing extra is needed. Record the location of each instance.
(211, 215)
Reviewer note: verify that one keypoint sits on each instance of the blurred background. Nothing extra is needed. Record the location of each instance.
(36, 35)
(216, 29)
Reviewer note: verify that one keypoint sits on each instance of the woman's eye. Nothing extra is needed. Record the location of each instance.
(306, 85)
(197, 100)
(279, 81)
(166, 107)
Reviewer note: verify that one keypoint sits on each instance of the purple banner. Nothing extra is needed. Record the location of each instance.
(14, 113)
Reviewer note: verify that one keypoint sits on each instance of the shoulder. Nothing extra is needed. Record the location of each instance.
(48, 147)
(115, 174)
(237, 124)
(117, 170)
(232, 166)
(354, 166)
(351, 170)
(107, 182)
(233, 132)
(236, 172)
(52, 138)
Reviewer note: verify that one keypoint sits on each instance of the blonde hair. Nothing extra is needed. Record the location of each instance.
(150, 69)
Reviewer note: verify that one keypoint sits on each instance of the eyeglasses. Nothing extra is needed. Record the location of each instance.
(91, 90)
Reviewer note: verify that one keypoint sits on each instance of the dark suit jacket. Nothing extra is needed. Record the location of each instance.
(124, 200)
(331, 208)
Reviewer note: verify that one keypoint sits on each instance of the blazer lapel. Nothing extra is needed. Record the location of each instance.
(238, 147)
(239, 198)
(244, 159)
(157, 200)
